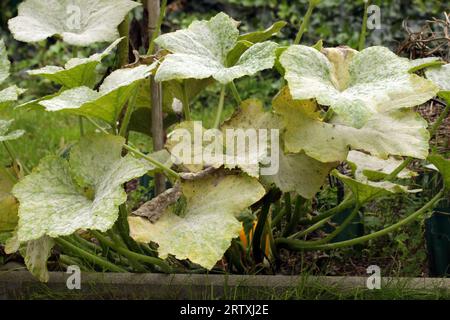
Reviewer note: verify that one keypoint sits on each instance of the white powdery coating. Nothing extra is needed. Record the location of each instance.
(205, 232)
(54, 200)
(356, 85)
(200, 52)
(78, 22)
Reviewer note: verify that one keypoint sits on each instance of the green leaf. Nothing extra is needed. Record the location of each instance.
(77, 71)
(355, 85)
(329, 142)
(5, 135)
(440, 76)
(375, 168)
(77, 22)
(366, 190)
(209, 224)
(260, 36)
(36, 255)
(61, 197)
(8, 204)
(201, 52)
(107, 103)
(443, 165)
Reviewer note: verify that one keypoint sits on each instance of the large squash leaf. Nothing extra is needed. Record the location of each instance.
(209, 223)
(356, 85)
(105, 104)
(400, 132)
(78, 22)
(61, 197)
(201, 52)
(77, 72)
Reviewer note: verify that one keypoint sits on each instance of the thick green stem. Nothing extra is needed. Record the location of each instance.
(186, 103)
(220, 108)
(120, 244)
(332, 235)
(348, 202)
(89, 256)
(300, 245)
(258, 252)
(156, 163)
(310, 229)
(155, 28)
(300, 204)
(362, 36)
(305, 23)
(235, 93)
(132, 255)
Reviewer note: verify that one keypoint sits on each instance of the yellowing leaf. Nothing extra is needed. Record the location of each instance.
(206, 229)
(356, 86)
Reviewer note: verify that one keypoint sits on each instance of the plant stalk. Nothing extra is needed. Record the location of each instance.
(362, 36)
(305, 23)
(220, 108)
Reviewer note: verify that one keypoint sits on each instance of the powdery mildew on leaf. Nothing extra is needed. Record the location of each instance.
(201, 52)
(356, 85)
(105, 104)
(78, 22)
(329, 142)
(61, 197)
(206, 229)
(77, 71)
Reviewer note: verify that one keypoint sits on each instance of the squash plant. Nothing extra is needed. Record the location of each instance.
(338, 106)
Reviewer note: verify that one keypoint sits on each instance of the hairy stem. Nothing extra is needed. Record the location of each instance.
(129, 112)
(132, 255)
(185, 102)
(89, 256)
(138, 153)
(235, 93)
(305, 23)
(300, 245)
(220, 108)
(362, 36)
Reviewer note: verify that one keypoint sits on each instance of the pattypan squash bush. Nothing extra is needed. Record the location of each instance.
(338, 108)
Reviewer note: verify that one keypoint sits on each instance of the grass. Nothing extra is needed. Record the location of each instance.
(304, 290)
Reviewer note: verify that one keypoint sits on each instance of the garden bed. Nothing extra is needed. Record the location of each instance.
(22, 285)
